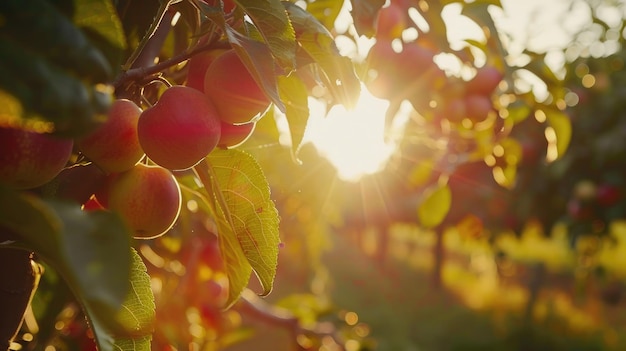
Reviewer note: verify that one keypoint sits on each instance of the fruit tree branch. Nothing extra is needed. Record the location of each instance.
(255, 307)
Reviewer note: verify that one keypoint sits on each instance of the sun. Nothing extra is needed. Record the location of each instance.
(352, 140)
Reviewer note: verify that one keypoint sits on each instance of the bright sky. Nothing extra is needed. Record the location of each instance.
(353, 140)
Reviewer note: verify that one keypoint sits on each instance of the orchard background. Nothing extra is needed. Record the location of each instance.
(312, 175)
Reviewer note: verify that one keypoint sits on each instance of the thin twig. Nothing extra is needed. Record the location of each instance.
(255, 307)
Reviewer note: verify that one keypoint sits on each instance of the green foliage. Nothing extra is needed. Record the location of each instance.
(527, 158)
(136, 315)
(51, 65)
(89, 250)
(244, 198)
(293, 92)
(432, 211)
(274, 27)
(317, 45)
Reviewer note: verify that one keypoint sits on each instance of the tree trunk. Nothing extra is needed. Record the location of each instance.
(439, 253)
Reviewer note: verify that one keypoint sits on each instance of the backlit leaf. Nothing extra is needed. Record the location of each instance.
(435, 206)
(318, 43)
(137, 314)
(257, 57)
(365, 14)
(236, 265)
(562, 126)
(326, 11)
(249, 209)
(271, 20)
(294, 94)
(91, 251)
(98, 19)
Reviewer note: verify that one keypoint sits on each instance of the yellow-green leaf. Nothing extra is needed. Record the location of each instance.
(435, 206)
(257, 57)
(294, 94)
(137, 314)
(560, 122)
(271, 20)
(318, 44)
(245, 194)
(238, 269)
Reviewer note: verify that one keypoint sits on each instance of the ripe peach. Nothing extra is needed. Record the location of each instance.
(390, 22)
(455, 110)
(198, 66)
(412, 63)
(478, 107)
(233, 135)
(181, 129)
(381, 62)
(485, 82)
(29, 159)
(114, 146)
(148, 198)
(232, 89)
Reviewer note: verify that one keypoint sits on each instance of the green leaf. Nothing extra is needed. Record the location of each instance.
(257, 57)
(39, 27)
(134, 344)
(364, 14)
(245, 193)
(518, 111)
(271, 20)
(137, 314)
(435, 206)
(237, 267)
(293, 93)
(99, 20)
(318, 44)
(91, 251)
(46, 90)
(326, 11)
(562, 126)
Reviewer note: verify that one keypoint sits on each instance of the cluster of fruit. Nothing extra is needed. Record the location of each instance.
(399, 70)
(176, 133)
(591, 200)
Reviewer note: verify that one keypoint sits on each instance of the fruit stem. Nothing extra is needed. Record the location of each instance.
(141, 72)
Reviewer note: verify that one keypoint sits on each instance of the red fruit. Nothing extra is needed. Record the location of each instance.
(455, 110)
(233, 135)
(211, 255)
(229, 5)
(530, 153)
(147, 197)
(181, 129)
(114, 146)
(608, 195)
(579, 210)
(29, 159)
(92, 205)
(198, 66)
(485, 82)
(413, 61)
(381, 60)
(232, 89)
(391, 21)
(380, 55)
(478, 107)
